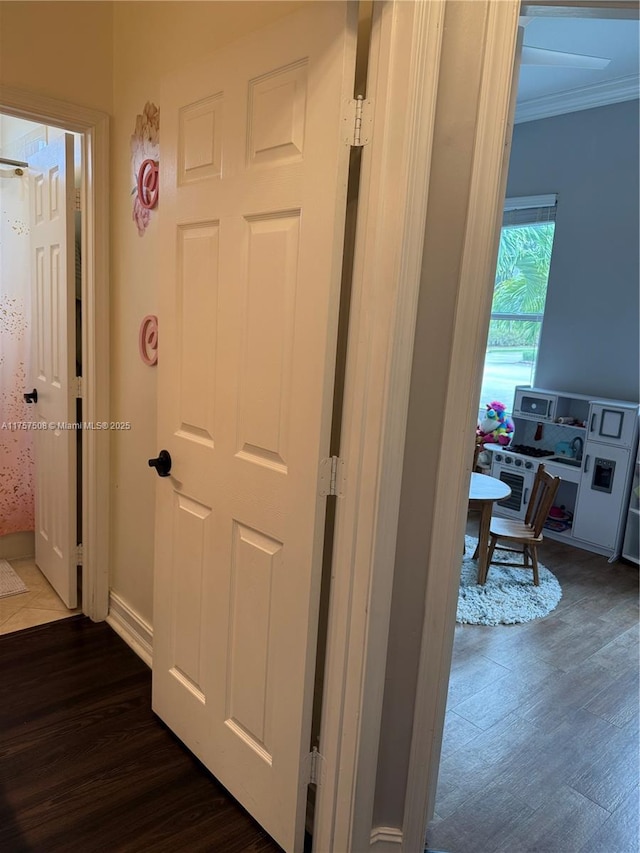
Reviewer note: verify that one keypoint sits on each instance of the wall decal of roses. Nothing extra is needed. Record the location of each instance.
(145, 145)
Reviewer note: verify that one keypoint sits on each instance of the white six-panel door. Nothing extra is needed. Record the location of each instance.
(52, 193)
(252, 200)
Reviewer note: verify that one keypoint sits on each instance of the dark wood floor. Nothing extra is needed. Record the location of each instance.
(540, 750)
(86, 766)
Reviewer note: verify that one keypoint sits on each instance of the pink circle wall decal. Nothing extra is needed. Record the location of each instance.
(148, 340)
(148, 184)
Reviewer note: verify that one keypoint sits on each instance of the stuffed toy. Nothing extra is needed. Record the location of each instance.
(496, 426)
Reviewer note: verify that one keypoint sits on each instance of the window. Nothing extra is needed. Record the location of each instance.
(519, 297)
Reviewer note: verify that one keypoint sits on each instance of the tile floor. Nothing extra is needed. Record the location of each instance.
(37, 606)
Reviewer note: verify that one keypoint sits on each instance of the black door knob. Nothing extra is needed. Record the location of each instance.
(162, 463)
(31, 396)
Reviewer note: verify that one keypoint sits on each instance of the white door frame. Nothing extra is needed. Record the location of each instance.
(402, 84)
(492, 151)
(94, 125)
(367, 515)
(387, 275)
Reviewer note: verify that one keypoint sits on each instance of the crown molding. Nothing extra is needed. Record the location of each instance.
(584, 98)
(621, 9)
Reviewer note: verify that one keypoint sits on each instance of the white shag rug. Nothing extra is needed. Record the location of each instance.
(10, 583)
(509, 596)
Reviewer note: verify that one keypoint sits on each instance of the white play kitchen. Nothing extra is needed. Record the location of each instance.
(591, 444)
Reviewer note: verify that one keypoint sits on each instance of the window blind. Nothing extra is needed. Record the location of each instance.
(529, 210)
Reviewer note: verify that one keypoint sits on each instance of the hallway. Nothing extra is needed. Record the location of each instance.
(86, 764)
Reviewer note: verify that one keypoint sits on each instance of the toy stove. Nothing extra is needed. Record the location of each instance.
(516, 466)
(527, 450)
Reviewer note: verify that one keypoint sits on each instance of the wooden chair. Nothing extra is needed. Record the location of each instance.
(476, 452)
(529, 532)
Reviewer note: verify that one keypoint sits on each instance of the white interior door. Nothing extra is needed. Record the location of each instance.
(252, 201)
(53, 343)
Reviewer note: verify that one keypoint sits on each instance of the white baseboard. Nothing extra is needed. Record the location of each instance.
(131, 627)
(386, 839)
(13, 546)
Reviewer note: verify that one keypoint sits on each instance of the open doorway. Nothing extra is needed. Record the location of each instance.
(525, 699)
(28, 472)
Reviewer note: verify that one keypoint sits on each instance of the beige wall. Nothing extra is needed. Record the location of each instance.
(112, 57)
(173, 35)
(59, 49)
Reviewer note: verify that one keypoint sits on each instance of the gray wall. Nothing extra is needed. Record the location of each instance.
(589, 341)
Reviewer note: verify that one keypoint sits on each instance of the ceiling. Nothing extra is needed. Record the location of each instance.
(546, 90)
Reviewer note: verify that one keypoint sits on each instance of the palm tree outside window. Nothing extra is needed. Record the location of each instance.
(519, 297)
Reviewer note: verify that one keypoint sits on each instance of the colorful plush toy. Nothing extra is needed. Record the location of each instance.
(496, 426)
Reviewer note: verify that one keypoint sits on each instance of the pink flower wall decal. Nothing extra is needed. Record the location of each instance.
(145, 145)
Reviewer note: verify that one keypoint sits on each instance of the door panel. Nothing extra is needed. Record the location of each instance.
(612, 424)
(53, 272)
(265, 369)
(253, 175)
(598, 513)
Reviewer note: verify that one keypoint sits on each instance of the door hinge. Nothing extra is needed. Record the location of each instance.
(332, 476)
(315, 765)
(79, 555)
(359, 121)
(77, 389)
(78, 200)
